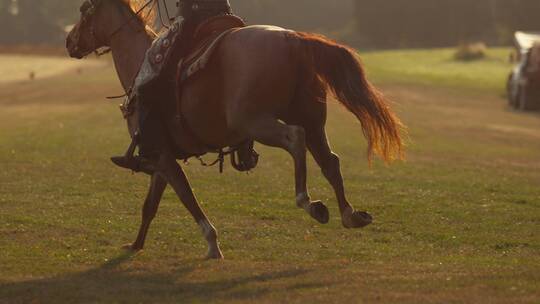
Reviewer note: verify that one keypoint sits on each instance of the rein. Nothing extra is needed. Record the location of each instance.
(161, 16)
(132, 18)
(90, 7)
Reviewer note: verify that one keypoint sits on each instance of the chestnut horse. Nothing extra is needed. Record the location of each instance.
(264, 83)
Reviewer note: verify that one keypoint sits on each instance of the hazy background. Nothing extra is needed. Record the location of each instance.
(363, 23)
(456, 223)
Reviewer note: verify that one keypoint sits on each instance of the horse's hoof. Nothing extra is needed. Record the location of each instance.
(318, 211)
(131, 248)
(357, 219)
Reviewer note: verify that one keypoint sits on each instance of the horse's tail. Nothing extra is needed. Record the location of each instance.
(341, 70)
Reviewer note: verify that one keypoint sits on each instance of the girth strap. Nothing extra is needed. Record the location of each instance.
(220, 159)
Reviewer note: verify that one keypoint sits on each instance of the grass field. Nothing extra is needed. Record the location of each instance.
(438, 68)
(457, 222)
(17, 68)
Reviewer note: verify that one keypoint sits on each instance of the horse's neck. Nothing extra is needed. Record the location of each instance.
(128, 50)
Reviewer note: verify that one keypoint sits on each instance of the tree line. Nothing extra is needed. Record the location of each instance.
(364, 23)
(432, 23)
(31, 21)
(35, 22)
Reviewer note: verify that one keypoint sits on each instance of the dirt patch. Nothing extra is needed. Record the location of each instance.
(515, 130)
(41, 50)
(17, 68)
(449, 107)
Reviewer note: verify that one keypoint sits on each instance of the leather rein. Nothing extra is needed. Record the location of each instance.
(88, 9)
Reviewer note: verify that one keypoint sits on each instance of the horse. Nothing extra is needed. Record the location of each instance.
(264, 83)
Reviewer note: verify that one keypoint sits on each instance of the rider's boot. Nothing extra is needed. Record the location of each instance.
(132, 162)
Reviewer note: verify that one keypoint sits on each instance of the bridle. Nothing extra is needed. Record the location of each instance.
(88, 9)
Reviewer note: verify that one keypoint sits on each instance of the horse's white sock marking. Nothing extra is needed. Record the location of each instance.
(210, 234)
(206, 227)
(302, 200)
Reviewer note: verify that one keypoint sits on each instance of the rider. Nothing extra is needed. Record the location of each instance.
(150, 136)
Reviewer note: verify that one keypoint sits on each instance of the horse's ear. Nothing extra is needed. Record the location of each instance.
(95, 3)
(86, 6)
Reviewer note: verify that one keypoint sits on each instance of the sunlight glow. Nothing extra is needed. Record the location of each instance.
(14, 8)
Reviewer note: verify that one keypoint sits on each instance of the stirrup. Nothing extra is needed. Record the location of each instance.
(135, 164)
(245, 158)
(132, 146)
(129, 161)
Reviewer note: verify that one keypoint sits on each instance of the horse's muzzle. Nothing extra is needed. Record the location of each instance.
(73, 48)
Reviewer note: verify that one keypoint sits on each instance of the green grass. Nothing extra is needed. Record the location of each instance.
(439, 68)
(458, 222)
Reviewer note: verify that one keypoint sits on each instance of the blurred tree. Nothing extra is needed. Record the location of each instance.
(35, 22)
(383, 23)
(319, 15)
(428, 23)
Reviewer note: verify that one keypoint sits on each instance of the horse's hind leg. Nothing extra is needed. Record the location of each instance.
(273, 133)
(317, 143)
(151, 204)
(176, 177)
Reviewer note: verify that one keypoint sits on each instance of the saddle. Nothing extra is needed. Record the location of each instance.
(206, 38)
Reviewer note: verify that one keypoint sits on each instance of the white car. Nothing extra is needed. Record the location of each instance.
(524, 81)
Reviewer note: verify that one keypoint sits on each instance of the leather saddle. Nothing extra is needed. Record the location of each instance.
(207, 37)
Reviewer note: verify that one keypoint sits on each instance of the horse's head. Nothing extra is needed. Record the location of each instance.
(91, 32)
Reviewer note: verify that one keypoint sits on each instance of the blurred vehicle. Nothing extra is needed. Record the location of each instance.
(524, 80)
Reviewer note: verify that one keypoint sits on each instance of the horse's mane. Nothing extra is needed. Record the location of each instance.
(147, 16)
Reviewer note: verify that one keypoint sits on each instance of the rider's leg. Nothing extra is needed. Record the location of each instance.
(150, 136)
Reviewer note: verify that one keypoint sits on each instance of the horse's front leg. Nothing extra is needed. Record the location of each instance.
(151, 204)
(176, 177)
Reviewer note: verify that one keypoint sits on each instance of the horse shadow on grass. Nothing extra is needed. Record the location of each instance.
(108, 283)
